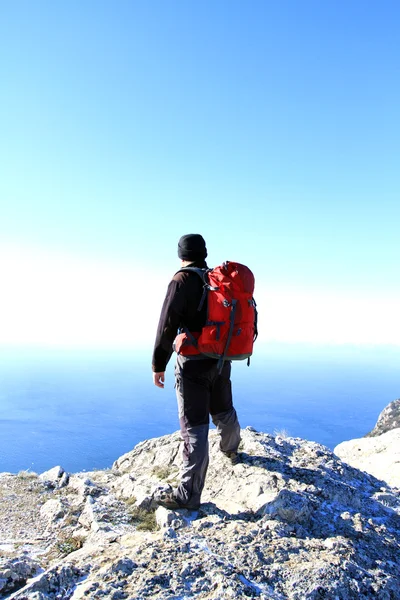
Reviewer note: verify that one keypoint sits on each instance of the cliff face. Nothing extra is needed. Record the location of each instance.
(378, 453)
(291, 521)
(388, 419)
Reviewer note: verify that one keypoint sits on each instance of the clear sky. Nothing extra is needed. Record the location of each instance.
(272, 128)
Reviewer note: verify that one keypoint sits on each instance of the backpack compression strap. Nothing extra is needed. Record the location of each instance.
(230, 333)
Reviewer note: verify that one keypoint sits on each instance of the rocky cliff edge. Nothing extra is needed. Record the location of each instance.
(378, 452)
(290, 521)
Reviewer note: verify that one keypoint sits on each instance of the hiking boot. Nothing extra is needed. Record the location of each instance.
(233, 457)
(168, 500)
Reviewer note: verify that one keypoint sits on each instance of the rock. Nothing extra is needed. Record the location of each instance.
(53, 476)
(52, 510)
(379, 456)
(176, 519)
(77, 484)
(84, 486)
(125, 487)
(88, 516)
(291, 507)
(387, 420)
(124, 566)
(291, 521)
(157, 452)
(64, 480)
(58, 581)
(15, 572)
(169, 532)
(144, 501)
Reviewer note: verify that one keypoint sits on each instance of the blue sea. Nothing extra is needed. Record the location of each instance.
(83, 410)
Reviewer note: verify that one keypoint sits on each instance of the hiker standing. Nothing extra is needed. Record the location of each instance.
(203, 385)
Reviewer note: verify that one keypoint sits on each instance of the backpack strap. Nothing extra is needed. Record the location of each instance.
(199, 270)
(255, 319)
(230, 333)
(202, 273)
(190, 336)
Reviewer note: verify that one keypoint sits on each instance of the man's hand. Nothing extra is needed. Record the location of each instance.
(158, 379)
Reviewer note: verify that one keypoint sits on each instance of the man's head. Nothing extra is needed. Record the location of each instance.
(192, 248)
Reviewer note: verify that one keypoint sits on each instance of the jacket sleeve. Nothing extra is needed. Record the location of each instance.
(172, 312)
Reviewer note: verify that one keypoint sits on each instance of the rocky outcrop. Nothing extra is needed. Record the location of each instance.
(378, 453)
(379, 456)
(55, 477)
(290, 521)
(388, 419)
(15, 572)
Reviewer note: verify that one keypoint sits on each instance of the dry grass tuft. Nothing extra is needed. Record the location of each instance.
(143, 519)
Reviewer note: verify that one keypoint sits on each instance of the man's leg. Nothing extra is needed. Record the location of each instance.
(222, 411)
(193, 395)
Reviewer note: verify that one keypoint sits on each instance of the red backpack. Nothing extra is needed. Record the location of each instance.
(231, 326)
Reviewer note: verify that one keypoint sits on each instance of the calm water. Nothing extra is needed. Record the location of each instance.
(84, 411)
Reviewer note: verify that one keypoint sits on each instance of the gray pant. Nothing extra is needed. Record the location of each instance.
(201, 390)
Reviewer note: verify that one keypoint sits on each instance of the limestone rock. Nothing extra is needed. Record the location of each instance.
(84, 486)
(15, 572)
(53, 510)
(54, 477)
(64, 480)
(125, 487)
(379, 455)
(87, 517)
(57, 582)
(387, 420)
(125, 566)
(291, 507)
(291, 521)
(173, 518)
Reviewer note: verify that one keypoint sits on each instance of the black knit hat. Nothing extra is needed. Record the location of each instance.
(192, 247)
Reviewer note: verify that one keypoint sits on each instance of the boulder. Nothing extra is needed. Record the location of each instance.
(52, 510)
(88, 517)
(379, 456)
(15, 572)
(55, 477)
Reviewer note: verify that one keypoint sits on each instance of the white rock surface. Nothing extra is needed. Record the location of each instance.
(379, 456)
(291, 521)
(52, 510)
(53, 476)
(174, 518)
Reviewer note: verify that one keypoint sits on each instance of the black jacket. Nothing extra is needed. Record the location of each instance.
(180, 309)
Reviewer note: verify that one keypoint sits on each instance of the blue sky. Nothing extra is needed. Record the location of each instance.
(272, 128)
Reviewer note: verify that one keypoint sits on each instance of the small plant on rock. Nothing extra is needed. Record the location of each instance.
(143, 519)
(27, 475)
(283, 433)
(161, 472)
(130, 501)
(69, 544)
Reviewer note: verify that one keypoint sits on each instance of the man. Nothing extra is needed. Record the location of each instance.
(201, 387)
